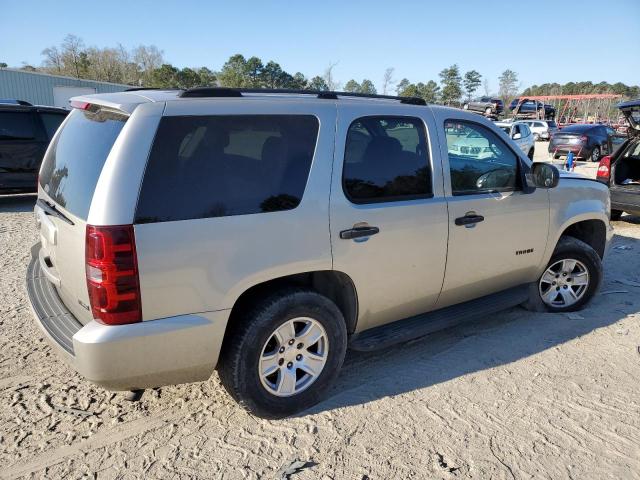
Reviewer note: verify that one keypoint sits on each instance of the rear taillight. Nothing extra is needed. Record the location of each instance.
(604, 169)
(112, 274)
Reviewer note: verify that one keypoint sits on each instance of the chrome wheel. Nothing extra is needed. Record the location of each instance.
(564, 283)
(595, 154)
(293, 357)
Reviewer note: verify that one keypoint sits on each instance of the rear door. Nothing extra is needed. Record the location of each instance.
(388, 215)
(68, 178)
(22, 146)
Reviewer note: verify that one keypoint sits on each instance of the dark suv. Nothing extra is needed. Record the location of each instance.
(486, 105)
(533, 109)
(25, 132)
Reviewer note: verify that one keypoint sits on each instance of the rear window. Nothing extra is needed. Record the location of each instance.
(223, 165)
(577, 128)
(16, 126)
(51, 122)
(73, 163)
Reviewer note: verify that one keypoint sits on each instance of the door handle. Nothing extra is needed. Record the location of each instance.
(469, 219)
(358, 232)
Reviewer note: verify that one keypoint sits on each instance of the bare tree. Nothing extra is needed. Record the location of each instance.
(387, 80)
(487, 87)
(148, 59)
(53, 60)
(72, 53)
(332, 83)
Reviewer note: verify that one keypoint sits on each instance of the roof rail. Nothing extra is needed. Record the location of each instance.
(201, 92)
(135, 89)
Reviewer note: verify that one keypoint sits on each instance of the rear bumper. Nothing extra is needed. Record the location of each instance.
(149, 354)
(578, 151)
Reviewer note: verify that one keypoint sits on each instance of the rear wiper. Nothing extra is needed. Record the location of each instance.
(51, 209)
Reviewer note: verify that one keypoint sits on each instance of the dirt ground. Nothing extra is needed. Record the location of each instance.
(519, 395)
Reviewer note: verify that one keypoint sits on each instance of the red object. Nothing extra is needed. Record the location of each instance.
(604, 169)
(112, 274)
(80, 105)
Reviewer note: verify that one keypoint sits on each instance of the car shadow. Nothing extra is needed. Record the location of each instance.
(497, 340)
(17, 203)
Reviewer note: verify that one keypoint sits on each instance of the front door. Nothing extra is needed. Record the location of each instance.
(388, 214)
(497, 233)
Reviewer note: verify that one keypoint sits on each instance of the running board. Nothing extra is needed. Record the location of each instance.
(426, 323)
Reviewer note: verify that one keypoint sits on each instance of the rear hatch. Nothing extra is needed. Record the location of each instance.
(631, 110)
(68, 177)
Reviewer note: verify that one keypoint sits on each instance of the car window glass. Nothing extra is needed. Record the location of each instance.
(224, 165)
(16, 126)
(479, 161)
(51, 122)
(386, 159)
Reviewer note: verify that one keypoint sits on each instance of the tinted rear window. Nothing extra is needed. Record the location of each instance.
(73, 163)
(215, 166)
(51, 122)
(16, 126)
(577, 128)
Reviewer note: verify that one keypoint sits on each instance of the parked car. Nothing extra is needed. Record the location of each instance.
(25, 132)
(533, 108)
(621, 171)
(486, 105)
(587, 141)
(263, 234)
(542, 129)
(520, 133)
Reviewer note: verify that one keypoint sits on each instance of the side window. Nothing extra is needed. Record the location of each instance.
(223, 165)
(51, 122)
(386, 159)
(16, 126)
(479, 161)
(524, 130)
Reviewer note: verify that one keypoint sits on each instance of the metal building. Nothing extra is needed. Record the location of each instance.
(44, 89)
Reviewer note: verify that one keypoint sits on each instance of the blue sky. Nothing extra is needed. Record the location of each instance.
(542, 40)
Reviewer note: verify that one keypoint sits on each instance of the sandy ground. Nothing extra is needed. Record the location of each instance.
(520, 395)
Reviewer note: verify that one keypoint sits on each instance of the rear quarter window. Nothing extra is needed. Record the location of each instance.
(224, 165)
(16, 126)
(74, 161)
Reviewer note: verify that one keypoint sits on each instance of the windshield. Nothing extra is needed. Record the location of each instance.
(74, 161)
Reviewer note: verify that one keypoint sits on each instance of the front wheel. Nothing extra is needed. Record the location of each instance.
(282, 357)
(616, 214)
(536, 137)
(488, 111)
(572, 277)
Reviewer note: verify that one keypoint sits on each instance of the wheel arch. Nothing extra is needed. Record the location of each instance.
(593, 232)
(333, 284)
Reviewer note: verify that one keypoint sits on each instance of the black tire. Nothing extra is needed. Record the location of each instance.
(238, 366)
(530, 154)
(569, 248)
(595, 154)
(616, 214)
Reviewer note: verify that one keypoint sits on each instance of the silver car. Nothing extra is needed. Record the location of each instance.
(264, 233)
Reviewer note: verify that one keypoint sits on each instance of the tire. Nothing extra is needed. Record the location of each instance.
(465, 106)
(530, 154)
(616, 214)
(568, 248)
(245, 344)
(488, 111)
(595, 154)
(536, 137)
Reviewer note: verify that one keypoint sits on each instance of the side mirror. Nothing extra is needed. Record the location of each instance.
(544, 175)
(516, 136)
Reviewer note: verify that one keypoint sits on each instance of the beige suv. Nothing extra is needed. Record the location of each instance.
(264, 232)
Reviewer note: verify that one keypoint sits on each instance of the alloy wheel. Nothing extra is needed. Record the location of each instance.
(564, 283)
(293, 357)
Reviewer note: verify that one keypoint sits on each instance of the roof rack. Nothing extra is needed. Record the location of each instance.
(135, 89)
(11, 101)
(201, 92)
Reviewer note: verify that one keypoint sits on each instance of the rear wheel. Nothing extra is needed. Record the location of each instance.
(595, 154)
(536, 137)
(572, 277)
(284, 356)
(616, 214)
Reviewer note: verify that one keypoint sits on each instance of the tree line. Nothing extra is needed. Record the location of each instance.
(145, 66)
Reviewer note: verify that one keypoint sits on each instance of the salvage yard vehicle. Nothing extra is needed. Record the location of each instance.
(520, 133)
(486, 105)
(621, 171)
(264, 232)
(528, 108)
(542, 129)
(25, 132)
(587, 141)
